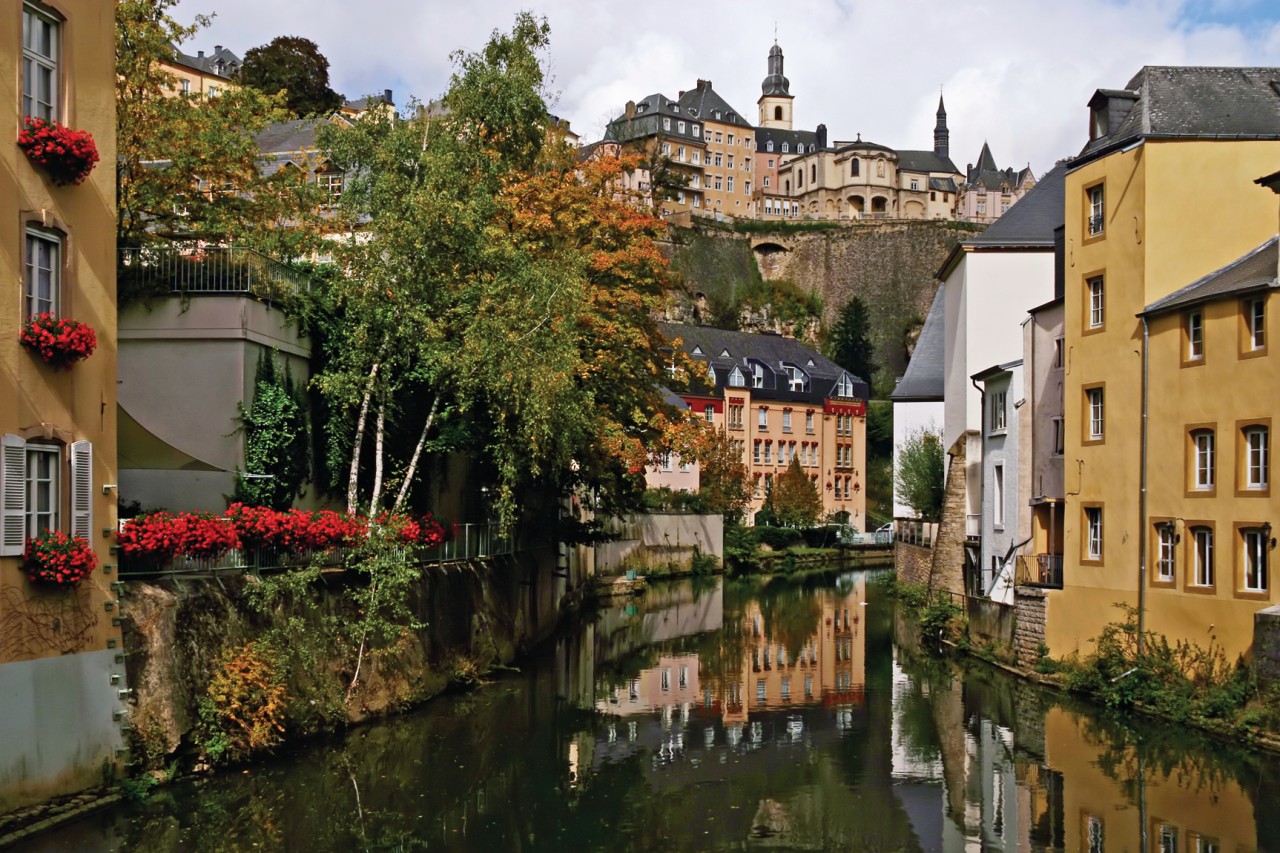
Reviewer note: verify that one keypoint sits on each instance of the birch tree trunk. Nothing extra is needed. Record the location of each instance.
(353, 478)
(417, 452)
(378, 433)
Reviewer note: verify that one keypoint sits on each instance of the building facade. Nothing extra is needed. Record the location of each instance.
(60, 654)
(204, 76)
(1043, 440)
(988, 191)
(1172, 142)
(777, 399)
(1002, 498)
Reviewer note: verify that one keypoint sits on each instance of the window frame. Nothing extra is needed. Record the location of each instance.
(1096, 303)
(997, 498)
(1200, 562)
(1095, 210)
(33, 233)
(1092, 437)
(1246, 485)
(1202, 459)
(32, 514)
(1164, 548)
(1246, 531)
(1193, 337)
(998, 423)
(1089, 555)
(28, 57)
(1253, 325)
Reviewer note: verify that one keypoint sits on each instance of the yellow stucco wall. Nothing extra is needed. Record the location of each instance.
(79, 404)
(1174, 212)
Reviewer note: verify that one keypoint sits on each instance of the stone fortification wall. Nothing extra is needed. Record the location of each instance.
(912, 563)
(1031, 605)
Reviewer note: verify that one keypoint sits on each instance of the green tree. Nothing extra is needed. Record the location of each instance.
(794, 500)
(723, 481)
(501, 278)
(919, 475)
(276, 440)
(292, 65)
(850, 344)
(188, 167)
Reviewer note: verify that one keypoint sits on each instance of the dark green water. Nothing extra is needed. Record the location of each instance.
(769, 714)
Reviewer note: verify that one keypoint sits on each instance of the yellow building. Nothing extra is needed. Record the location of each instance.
(201, 75)
(777, 399)
(59, 647)
(1162, 194)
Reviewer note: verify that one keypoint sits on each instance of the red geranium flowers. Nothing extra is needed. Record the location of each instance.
(55, 558)
(58, 341)
(68, 156)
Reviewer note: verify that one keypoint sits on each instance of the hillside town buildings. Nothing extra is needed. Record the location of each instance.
(721, 165)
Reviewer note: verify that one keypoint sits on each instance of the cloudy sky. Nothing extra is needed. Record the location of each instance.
(1015, 73)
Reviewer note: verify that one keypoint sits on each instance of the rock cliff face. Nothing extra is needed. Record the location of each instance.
(474, 616)
(891, 266)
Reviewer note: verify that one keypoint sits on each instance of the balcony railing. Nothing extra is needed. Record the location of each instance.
(465, 542)
(209, 269)
(1043, 570)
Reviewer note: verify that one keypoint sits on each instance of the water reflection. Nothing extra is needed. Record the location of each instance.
(765, 714)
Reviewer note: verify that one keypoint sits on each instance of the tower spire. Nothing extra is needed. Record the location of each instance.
(941, 136)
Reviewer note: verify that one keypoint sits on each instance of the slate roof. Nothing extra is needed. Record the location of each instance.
(289, 136)
(925, 377)
(925, 161)
(995, 370)
(745, 348)
(807, 138)
(1255, 271)
(362, 104)
(703, 102)
(1030, 222)
(943, 185)
(647, 121)
(230, 63)
(1195, 103)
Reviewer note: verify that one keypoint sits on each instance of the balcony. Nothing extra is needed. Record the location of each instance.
(208, 269)
(1042, 570)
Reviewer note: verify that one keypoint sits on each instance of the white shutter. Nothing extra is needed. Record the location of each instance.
(82, 490)
(13, 495)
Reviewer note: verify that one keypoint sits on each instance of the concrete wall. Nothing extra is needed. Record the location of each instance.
(59, 729)
(203, 351)
(661, 539)
(990, 621)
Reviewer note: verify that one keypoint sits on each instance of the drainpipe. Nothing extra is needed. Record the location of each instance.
(982, 468)
(1142, 496)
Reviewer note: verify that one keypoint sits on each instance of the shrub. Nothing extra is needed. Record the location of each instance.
(703, 564)
(242, 711)
(778, 538)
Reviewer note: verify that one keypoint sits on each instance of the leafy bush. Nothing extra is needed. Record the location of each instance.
(703, 564)
(778, 538)
(242, 712)
(742, 549)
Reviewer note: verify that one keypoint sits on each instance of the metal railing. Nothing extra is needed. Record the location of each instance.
(209, 269)
(465, 542)
(1043, 570)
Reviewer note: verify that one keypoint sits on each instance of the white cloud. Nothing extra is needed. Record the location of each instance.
(1016, 73)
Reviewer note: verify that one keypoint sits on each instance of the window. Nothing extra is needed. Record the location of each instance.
(680, 153)
(1202, 556)
(1256, 319)
(844, 388)
(680, 127)
(1203, 450)
(697, 160)
(717, 185)
(1166, 540)
(735, 417)
(746, 188)
(31, 486)
(768, 146)
(1195, 336)
(999, 496)
(1059, 351)
(786, 148)
(729, 139)
(666, 149)
(915, 185)
(755, 453)
(331, 183)
(1093, 834)
(1095, 398)
(813, 173)
(997, 419)
(760, 690)
(1257, 457)
(1097, 302)
(854, 167)
(757, 376)
(1096, 210)
(666, 124)
(736, 379)
(808, 422)
(1255, 542)
(708, 411)
(1059, 436)
(765, 180)
(697, 131)
(213, 91)
(40, 49)
(666, 461)
(786, 420)
(41, 488)
(728, 184)
(1093, 532)
(43, 272)
(186, 87)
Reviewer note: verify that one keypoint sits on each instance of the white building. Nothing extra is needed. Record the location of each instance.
(1002, 501)
(917, 398)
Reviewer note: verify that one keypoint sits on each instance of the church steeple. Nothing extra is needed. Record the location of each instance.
(941, 136)
(775, 99)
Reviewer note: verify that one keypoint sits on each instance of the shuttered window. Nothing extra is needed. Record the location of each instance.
(32, 481)
(13, 495)
(82, 490)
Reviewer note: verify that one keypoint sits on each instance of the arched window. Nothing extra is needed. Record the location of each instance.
(855, 167)
(777, 113)
(769, 145)
(785, 148)
(800, 148)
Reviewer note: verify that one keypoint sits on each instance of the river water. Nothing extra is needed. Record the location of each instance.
(777, 714)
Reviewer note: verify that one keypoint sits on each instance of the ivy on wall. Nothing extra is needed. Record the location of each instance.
(276, 439)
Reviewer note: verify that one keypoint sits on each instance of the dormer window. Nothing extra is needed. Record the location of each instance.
(697, 350)
(711, 375)
(757, 376)
(1098, 124)
(724, 353)
(697, 130)
(844, 388)
(786, 148)
(769, 145)
(797, 379)
(717, 115)
(736, 379)
(675, 108)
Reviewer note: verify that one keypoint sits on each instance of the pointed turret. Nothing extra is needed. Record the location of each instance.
(775, 98)
(986, 163)
(941, 136)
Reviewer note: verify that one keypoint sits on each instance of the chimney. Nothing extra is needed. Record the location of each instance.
(680, 94)
(386, 97)
(217, 48)
(199, 54)
(822, 137)
(704, 84)
(630, 111)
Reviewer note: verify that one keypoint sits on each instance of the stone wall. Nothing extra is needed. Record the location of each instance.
(1266, 644)
(890, 266)
(948, 548)
(1031, 605)
(912, 563)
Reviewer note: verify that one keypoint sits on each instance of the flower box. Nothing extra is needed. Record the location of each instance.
(66, 155)
(58, 341)
(55, 559)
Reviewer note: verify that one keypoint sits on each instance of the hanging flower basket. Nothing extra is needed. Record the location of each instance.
(55, 559)
(66, 155)
(58, 341)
